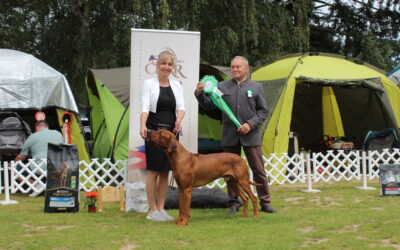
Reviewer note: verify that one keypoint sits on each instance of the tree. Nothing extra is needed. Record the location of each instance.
(364, 29)
(73, 36)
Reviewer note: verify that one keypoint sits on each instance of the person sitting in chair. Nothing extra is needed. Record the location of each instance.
(36, 145)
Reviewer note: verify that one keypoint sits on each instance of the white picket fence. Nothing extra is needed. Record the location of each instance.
(281, 168)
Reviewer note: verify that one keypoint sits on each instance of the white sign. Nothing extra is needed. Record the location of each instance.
(145, 47)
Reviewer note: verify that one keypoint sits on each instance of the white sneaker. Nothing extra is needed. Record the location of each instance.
(155, 216)
(166, 216)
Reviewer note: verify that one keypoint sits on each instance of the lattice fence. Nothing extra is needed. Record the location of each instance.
(336, 165)
(385, 156)
(280, 168)
(28, 177)
(105, 173)
(31, 176)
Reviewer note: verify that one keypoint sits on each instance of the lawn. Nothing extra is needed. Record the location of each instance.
(340, 217)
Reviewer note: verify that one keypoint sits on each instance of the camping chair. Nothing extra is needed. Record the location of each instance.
(111, 194)
(378, 140)
(13, 133)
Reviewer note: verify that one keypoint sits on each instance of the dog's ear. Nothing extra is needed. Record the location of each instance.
(171, 146)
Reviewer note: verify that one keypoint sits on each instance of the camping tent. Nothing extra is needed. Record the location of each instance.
(28, 85)
(108, 91)
(394, 75)
(316, 94)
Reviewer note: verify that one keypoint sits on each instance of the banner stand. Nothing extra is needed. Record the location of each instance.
(146, 45)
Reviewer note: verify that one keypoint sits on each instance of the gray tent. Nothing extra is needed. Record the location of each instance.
(28, 85)
(26, 82)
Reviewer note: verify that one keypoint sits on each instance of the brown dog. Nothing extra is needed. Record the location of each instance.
(195, 170)
(63, 173)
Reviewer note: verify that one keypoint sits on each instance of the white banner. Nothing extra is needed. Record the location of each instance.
(145, 47)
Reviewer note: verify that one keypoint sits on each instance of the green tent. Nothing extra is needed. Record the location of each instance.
(108, 91)
(317, 94)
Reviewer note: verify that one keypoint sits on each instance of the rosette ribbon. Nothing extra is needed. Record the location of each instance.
(212, 91)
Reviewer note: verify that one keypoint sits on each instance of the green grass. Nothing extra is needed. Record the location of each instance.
(340, 217)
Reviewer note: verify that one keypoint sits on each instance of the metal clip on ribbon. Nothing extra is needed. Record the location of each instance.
(212, 91)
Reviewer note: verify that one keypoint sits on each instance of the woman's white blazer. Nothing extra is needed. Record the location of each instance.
(151, 91)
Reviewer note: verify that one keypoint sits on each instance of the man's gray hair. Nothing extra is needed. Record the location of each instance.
(246, 62)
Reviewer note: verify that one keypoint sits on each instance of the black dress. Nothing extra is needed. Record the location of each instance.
(164, 118)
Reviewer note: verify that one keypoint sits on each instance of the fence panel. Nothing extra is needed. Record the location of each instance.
(106, 173)
(31, 176)
(28, 177)
(336, 165)
(282, 168)
(385, 156)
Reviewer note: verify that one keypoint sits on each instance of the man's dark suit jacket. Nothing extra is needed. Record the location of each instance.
(247, 102)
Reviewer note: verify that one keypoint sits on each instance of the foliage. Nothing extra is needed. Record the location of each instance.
(73, 36)
(340, 217)
(368, 30)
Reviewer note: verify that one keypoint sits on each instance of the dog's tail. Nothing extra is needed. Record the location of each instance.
(255, 184)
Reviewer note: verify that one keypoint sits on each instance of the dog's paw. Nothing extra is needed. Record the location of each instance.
(181, 222)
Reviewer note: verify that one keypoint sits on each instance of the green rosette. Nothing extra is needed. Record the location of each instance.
(212, 91)
(211, 83)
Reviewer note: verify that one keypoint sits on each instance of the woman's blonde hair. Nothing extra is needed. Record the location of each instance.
(165, 55)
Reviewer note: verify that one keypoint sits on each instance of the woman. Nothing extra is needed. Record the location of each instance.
(162, 108)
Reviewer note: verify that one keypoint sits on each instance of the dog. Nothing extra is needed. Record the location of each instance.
(195, 170)
(64, 166)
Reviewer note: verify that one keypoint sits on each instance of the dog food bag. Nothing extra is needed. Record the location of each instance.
(136, 197)
(389, 179)
(62, 185)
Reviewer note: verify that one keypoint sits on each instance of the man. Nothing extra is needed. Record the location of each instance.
(246, 100)
(36, 145)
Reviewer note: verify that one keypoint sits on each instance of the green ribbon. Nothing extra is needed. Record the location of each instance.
(212, 91)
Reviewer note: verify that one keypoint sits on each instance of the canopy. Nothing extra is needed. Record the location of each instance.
(28, 83)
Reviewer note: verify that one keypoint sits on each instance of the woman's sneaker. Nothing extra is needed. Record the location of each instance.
(166, 216)
(155, 216)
